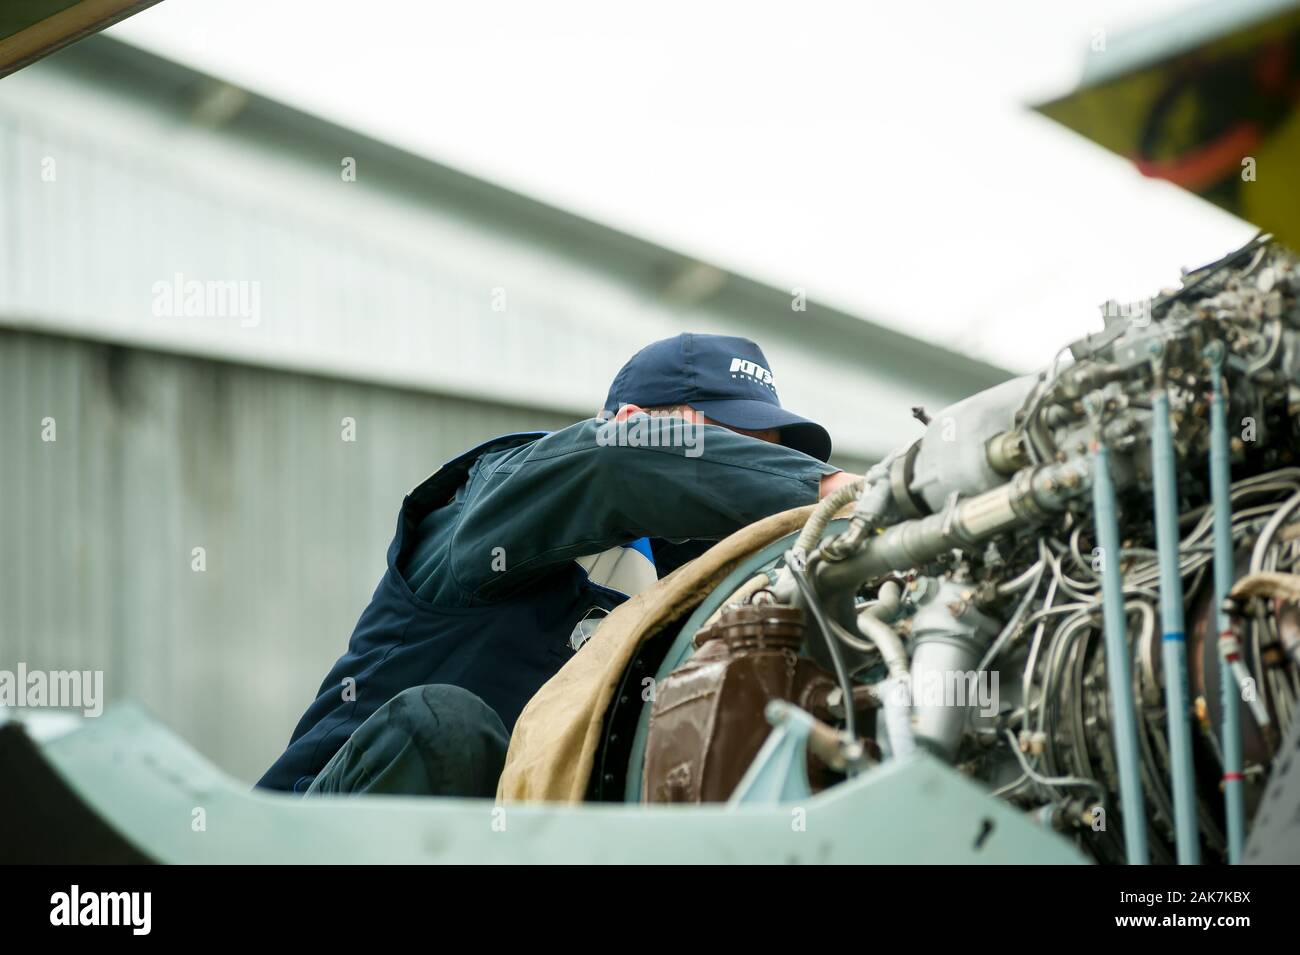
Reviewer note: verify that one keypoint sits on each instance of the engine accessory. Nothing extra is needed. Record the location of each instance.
(707, 723)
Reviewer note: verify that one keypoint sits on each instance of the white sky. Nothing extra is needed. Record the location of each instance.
(877, 154)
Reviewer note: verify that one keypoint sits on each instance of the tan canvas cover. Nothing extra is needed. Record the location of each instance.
(554, 742)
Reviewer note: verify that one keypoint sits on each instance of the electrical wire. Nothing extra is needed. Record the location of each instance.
(1091, 784)
(832, 645)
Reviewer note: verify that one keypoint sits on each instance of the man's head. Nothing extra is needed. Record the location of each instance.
(718, 379)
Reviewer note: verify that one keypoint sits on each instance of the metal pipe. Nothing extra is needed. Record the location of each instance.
(1118, 669)
(1224, 571)
(1164, 477)
(1032, 496)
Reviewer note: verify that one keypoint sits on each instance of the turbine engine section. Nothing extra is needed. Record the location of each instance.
(1111, 547)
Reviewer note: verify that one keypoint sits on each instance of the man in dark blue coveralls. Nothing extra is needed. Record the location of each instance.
(510, 552)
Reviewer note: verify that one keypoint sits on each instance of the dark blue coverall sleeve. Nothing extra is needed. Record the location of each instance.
(525, 510)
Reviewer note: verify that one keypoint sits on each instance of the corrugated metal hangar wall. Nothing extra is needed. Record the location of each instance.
(430, 308)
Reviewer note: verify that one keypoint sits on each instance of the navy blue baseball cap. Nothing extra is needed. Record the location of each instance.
(725, 378)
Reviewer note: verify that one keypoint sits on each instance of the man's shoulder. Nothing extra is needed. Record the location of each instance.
(580, 434)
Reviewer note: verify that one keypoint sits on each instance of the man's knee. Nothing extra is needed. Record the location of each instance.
(443, 701)
(438, 713)
(437, 739)
(461, 739)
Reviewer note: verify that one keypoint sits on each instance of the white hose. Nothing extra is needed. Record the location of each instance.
(811, 534)
(895, 692)
(874, 496)
(1266, 583)
(885, 639)
(889, 597)
(897, 697)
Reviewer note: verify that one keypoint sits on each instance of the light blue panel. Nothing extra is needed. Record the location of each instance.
(147, 783)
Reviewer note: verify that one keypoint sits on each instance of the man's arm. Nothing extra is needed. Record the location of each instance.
(571, 494)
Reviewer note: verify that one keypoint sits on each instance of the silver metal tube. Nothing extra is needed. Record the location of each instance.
(1030, 497)
(1224, 572)
(1118, 668)
(1174, 643)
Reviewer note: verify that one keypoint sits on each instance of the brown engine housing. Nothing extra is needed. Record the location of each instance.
(707, 722)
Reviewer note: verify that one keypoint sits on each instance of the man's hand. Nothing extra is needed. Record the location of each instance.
(833, 482)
